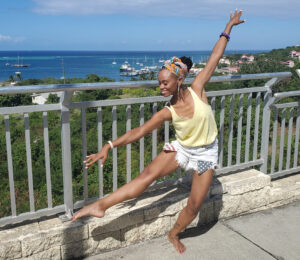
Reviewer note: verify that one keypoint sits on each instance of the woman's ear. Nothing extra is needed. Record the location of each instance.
(180, 81)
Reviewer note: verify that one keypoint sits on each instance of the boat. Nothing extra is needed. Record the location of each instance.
(124, 67)
(160, 60)
(144, 71)
(114, 62)
(20, 65)
(154, 68)
(129, 73)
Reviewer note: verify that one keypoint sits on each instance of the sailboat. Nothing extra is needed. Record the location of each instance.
(19, 65)
(114, 62)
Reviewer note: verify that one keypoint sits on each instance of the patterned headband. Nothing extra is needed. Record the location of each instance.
(176, 66)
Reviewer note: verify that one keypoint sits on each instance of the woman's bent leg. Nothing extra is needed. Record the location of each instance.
(162, 165)
(200, 187)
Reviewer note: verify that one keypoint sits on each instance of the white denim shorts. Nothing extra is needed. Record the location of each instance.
(200, 158)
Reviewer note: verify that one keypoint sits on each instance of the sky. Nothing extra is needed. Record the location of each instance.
(146, 25)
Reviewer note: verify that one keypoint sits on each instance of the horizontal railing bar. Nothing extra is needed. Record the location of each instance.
(32, 215)
(128, 101)
(235, 91)
(28, 109)
(281, 95)
(285, 172)
(140, 100)
(287, 105)
(117, 102)
(129, 84)
(239, 166)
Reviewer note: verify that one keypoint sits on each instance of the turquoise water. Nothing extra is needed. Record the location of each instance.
(44, 64)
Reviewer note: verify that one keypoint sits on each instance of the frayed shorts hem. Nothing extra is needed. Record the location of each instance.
(200, 159)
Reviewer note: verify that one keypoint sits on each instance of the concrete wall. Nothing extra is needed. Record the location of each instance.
(149, 216)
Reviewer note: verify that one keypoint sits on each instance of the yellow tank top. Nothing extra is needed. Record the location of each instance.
(199, 130)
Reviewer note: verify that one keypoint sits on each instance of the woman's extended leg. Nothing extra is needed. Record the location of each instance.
(200, 187)
(162, 165)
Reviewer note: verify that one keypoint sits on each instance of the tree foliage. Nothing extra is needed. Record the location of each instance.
(268, 62)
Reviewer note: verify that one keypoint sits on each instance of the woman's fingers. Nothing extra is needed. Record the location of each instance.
(103, 161)
(91, 159)
(90, 163)
(235, 17)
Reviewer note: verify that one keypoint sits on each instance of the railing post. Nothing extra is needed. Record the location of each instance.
(268, 100)
(66, 154)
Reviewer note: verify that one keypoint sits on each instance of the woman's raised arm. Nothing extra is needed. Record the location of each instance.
(203, 77)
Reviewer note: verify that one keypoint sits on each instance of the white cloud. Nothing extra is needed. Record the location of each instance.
(5, 38)
(193, 8)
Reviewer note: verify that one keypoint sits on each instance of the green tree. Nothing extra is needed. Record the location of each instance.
(52, 99)
(11, 78)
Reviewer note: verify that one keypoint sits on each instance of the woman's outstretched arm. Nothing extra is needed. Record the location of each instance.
(131, 136)
(203, 77)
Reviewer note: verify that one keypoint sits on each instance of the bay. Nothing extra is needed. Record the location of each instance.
(77, 64)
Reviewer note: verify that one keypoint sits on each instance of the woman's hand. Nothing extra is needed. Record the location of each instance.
(235, 18)
(102, 154)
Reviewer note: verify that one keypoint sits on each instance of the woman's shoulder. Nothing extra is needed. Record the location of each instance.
(168, 105)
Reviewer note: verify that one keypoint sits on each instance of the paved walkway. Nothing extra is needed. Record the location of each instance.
(270, 234)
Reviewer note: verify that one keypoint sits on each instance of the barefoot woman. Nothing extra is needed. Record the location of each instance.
(196, 145)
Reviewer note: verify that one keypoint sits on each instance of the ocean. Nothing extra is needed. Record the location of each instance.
(77, 64)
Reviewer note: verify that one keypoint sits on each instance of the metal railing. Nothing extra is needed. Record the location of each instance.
(243, 141)
(290, 130)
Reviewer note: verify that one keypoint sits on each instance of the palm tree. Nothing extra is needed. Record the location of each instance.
(151, 75)
(18, 75)
(11, 78)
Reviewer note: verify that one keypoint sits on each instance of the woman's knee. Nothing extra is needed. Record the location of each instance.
(148, 174)
(193, 206)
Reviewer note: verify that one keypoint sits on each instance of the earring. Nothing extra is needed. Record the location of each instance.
(178, 88)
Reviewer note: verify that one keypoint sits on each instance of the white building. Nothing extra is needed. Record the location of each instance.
(42, 98)
(249, 59)
(224, 61)
(295, 54)
(289, 63)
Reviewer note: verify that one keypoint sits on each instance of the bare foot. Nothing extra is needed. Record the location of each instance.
(180, 248)
(93, 209)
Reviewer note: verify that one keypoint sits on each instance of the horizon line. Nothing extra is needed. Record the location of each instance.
(145, 50)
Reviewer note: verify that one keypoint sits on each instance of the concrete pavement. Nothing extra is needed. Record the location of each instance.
(269, 234)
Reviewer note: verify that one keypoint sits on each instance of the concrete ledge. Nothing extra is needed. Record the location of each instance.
(151, 215)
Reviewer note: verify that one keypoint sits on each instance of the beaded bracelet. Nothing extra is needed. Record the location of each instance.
(225, 35)
(111, 144)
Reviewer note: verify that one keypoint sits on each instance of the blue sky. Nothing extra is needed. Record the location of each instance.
(145, 24)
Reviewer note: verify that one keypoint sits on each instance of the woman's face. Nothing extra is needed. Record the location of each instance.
(168, 82)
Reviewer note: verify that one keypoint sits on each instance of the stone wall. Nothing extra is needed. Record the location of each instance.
(149, 216)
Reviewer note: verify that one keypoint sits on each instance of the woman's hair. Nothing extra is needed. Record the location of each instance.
(179, 66)
(187, 61)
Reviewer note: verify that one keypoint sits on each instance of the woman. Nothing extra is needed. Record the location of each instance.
(196, 133)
